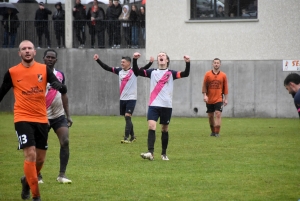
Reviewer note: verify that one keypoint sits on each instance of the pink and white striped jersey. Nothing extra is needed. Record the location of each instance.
(53, 98)
(127, 83)
(161, 86)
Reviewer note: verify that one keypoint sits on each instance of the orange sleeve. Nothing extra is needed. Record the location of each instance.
(225, 85)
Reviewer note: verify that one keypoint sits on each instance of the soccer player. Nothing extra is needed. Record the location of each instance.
(57, 107)
(160, 102)
(215, 91)
(292, 84)
(29, 80)
(128, 91)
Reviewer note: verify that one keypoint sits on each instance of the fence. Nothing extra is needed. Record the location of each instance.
(114, 32)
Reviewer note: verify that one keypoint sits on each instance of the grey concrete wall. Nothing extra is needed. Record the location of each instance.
(255, 87)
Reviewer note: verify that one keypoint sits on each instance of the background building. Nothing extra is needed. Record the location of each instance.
(252, 51)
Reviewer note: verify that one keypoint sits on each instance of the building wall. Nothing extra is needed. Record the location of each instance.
(251, 53)
(255, 87)
(273, 37)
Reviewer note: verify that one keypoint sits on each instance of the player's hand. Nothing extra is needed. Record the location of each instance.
(205, 99)
(186, 58)
(136, 55)
(225, 102)
(70, 122)
(74, 9)
(96, 57)
(151, 59)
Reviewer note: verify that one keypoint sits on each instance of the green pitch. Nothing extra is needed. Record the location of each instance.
(254, 159)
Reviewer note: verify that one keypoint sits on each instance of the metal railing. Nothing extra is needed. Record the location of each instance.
(109, 33)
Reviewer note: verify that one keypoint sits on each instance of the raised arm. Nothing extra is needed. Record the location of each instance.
(186, 72)
(6, 85)
(149, 64)
(103, 65)
(141, 71)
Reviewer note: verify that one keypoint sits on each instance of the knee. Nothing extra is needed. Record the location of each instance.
(40, 158)
(218, 115)
(127, 117)
(151, 126)
(64, 142)
(164, 128)
(40, 162)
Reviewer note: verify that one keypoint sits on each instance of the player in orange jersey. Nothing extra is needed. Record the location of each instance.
(215, 90)
(29, 80)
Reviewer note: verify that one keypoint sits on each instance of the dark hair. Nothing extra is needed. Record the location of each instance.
(217, 59)
(168, 60)
(58, 4)
(127, 58)
(50, 50)
(293, 77)
(137, 10)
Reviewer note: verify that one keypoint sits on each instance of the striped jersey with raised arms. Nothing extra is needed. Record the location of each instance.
(54, 103)
(127, 83)
(215, 85)
(29, 87)
(127, 80)
(161, 86)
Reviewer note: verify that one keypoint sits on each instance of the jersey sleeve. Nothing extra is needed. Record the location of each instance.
(142, 72)
(63, 77)
(104, 66)
(175, 74)
(54, 82)
(182, 74)
(225, 85)
(116, 70)
(186, 72)
(147, 66)
(146, 73)
(6, 85)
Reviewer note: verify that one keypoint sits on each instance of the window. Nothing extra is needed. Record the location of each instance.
(223, 9)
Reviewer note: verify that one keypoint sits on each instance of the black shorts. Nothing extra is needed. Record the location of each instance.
(163, 113)
(32, 134)
(214, 107)
(58, 122)
(127, 106)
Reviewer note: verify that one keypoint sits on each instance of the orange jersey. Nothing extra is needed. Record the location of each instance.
(29, 86)
(215, 85)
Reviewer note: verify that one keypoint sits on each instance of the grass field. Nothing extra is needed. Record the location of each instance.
(254, 159)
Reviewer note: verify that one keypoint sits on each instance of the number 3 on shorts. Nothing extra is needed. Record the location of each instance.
(22, 139)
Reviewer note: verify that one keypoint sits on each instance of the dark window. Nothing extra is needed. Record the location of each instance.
(226, 9)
